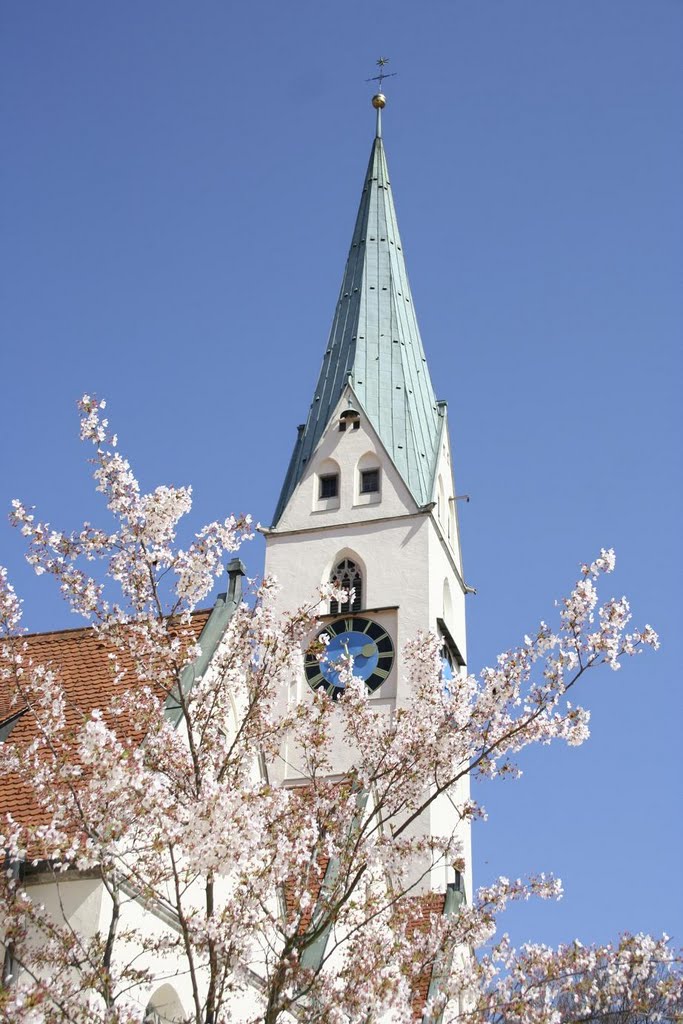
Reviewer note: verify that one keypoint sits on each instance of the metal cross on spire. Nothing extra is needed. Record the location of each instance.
(379, 99)
(381, 64)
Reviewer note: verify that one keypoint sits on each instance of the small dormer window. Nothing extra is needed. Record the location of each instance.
(329, 485)
(369, 481)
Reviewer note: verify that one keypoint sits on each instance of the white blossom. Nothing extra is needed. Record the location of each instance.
(255, 874)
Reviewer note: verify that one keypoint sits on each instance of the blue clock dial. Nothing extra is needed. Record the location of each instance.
(364, 656)
(366, 641)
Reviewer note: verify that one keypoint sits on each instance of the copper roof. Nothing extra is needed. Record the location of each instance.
(375, 346)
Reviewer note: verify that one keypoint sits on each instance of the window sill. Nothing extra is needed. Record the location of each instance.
(361, 611)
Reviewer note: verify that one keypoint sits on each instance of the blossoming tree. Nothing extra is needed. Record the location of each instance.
(281, 904)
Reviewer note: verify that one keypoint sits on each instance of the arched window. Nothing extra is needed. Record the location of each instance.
(368, 482)
(164, 1007)
(327, 486)
(347, 575)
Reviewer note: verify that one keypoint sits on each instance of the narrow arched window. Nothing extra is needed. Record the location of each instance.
(164, 1007)
(348, 576)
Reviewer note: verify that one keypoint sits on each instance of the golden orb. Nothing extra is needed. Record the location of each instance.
(379, 101)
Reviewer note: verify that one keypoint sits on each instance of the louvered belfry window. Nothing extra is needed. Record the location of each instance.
(347, 575)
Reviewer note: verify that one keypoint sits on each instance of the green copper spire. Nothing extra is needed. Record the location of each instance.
(375, 346)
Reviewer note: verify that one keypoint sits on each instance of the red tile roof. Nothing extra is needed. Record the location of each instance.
(316, 877)
(421, 910)
(81, 659)
(415, 912)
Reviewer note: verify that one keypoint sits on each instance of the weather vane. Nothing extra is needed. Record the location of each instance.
(381, 64)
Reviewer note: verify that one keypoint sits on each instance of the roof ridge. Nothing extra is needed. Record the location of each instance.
(86, 629)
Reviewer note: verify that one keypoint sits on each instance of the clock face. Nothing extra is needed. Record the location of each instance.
(366, 641)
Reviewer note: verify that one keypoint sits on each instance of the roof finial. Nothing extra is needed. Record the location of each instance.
(379, 99)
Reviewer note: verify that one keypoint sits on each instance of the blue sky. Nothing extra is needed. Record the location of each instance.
(179, 186)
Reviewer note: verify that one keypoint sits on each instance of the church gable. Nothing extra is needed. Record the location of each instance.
(350, 477)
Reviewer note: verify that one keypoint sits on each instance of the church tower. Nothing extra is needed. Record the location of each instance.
(368, 498)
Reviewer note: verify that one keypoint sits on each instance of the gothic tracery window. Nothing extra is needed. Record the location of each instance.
(348, 576)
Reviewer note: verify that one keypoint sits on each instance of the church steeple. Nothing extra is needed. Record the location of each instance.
(375, 347)
(369, 503)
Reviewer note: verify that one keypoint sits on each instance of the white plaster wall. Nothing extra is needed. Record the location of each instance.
(445, 565)
(86, 906)
(393, 555)
(78, 900)
(406, 555)
(345, 448)
(448, 519)
(441, 560)
(148, 927)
